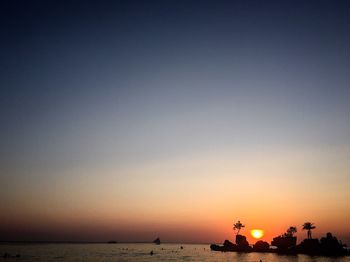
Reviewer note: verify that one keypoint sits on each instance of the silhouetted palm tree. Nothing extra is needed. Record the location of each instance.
(290, 231)
(308, 226)
(238, 226)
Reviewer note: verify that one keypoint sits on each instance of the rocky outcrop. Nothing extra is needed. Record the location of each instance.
(284, 243)
(227, 246)
(330, 246)
(308, 246)
(261, 246)
(241, 245)
(327, 246)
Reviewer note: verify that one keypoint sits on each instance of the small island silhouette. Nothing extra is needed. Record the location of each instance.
(286, 243)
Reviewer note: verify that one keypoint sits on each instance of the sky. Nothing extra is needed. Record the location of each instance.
(130, 120)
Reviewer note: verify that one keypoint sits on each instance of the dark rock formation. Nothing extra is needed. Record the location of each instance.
(215, 247)
(284, 243)
(330, 246)
(261, 246)
(242, 243)
(309, 246)
(327, 246)
(227, 246)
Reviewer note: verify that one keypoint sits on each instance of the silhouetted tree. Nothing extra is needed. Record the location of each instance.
(238, 226)
(290, 231)
(308, 226)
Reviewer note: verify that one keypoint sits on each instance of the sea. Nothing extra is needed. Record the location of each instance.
(142, 252)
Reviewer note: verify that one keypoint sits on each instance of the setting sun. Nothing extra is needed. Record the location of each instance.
(257, 233)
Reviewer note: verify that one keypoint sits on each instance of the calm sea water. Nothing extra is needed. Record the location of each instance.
(141, 252)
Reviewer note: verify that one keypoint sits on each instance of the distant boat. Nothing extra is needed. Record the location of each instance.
(112, 242)
(157, 241)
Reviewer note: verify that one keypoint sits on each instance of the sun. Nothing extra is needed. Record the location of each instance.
(257, 233)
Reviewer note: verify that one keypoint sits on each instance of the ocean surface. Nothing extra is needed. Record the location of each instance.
(141, 252)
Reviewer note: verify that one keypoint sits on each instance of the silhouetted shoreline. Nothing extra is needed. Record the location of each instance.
(286, 245)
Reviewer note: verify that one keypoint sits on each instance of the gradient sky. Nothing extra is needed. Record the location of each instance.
(129, 120)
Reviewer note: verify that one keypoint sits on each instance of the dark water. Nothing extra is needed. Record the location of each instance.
(141, 252)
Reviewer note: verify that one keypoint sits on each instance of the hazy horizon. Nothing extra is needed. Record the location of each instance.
(129, 120)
